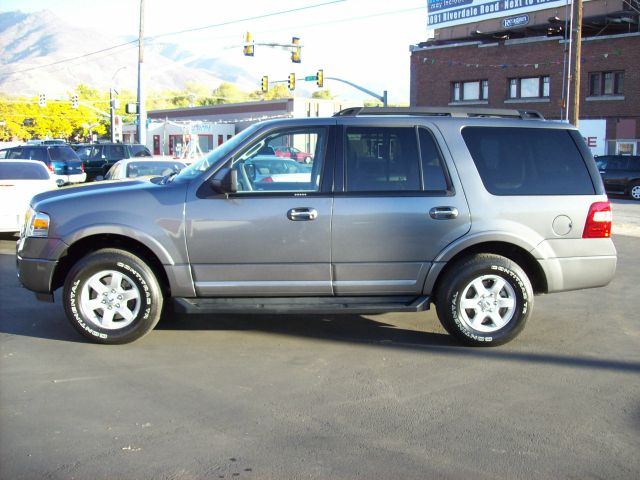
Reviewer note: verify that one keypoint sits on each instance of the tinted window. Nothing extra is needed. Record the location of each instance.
(115, 152)
(139, 151)
(86, 152)
(28, 153)
(22, 171)
(432, 165)
(617, 163)
(382, 159)
(62, 154)
(528, 161)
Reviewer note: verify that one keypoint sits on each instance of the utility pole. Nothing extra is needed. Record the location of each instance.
(142, 112)
(576, 53)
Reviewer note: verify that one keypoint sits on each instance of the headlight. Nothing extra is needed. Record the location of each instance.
(36, 224)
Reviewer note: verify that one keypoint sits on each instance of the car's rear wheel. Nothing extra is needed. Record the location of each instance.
(111, 296)
(634, 191)
(484, 300)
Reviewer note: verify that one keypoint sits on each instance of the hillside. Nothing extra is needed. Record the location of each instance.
(34, 49)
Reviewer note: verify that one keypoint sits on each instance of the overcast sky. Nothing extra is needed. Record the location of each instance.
(364, 41)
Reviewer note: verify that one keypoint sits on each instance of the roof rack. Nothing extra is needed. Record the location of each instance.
(458, 112)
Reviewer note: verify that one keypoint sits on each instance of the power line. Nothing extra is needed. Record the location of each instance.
(257, 17)
(230, 22)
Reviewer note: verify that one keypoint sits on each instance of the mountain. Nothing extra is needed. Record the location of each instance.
(36, 48)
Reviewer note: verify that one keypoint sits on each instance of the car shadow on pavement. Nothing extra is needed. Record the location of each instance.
(342, 328)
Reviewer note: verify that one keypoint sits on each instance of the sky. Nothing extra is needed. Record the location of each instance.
(362, 41)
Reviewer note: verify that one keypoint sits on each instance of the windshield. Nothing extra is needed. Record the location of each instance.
(216, 155)
(143, 169)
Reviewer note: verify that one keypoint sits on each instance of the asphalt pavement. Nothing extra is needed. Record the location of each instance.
(324, 397)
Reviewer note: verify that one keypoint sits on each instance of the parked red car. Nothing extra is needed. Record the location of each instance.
(295, 154)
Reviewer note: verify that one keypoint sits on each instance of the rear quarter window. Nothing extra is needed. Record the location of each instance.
(528, 161)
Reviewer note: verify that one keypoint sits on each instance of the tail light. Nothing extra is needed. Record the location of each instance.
(267, 179)
(82, 167)
(599, 221)
(50, 167)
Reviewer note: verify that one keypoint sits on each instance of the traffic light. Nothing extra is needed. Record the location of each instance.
(248, 45)
(265, 84)
(74, 101)
(320, 78)
(42, 100)
(296, 53)
(292, 82)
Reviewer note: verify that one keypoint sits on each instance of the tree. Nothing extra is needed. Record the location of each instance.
(323, 95)
(279, 90)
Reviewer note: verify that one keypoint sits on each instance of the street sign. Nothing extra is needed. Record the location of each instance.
(311, 78)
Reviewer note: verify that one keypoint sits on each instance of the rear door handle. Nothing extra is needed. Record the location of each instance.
(302, 214)
(443, 213)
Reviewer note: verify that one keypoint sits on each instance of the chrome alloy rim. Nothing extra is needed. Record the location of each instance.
(487, 303)
(110, 300)
(635, 192)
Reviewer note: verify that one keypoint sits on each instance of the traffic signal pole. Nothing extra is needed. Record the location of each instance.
(382, 98)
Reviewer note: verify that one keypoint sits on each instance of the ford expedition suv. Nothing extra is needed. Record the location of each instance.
(474, 210)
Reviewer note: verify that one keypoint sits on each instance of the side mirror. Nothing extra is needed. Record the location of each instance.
(225, 181)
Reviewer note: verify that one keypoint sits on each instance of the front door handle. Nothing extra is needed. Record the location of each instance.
(443, 213)
(302, 214)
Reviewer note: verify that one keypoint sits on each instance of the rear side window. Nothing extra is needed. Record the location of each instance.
(382, 159)
(28, 153)
(528, 161)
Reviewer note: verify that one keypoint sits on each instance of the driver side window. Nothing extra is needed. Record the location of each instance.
(270, 164)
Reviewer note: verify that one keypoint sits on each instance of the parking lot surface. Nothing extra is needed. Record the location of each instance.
(274, 397)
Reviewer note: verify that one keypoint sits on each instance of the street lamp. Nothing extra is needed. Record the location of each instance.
(112, 106)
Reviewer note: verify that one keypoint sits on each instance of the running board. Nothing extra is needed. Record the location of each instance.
(302, 305)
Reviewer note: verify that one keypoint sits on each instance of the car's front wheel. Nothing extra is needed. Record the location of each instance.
(634, 191)
(484, 300)
(111, 296)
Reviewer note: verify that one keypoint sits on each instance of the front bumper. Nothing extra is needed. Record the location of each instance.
(36, 262)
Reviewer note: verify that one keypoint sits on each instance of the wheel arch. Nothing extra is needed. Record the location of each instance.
(513, 252)
(92, 243)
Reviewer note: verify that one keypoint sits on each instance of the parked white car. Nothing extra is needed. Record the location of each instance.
(142, 167)
(20, 180)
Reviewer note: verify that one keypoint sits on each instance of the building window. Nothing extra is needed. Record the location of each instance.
(606, 83)
(529, 87)
(469, 91)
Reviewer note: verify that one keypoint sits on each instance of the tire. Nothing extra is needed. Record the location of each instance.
(117, 279)
(634, 191)
(484, 300)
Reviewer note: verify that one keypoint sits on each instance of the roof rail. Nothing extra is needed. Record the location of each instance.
(459, 112)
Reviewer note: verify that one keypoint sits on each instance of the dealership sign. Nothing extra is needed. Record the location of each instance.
(594, 133)
(446, 13)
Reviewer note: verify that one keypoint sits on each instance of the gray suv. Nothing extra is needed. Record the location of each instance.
(473, 210)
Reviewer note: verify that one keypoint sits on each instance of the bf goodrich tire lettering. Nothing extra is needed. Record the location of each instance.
(485, 300)
(112, 296)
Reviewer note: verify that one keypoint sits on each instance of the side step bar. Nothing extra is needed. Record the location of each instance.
(302, 305)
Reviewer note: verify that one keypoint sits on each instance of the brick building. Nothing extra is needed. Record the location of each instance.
(486, 64)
